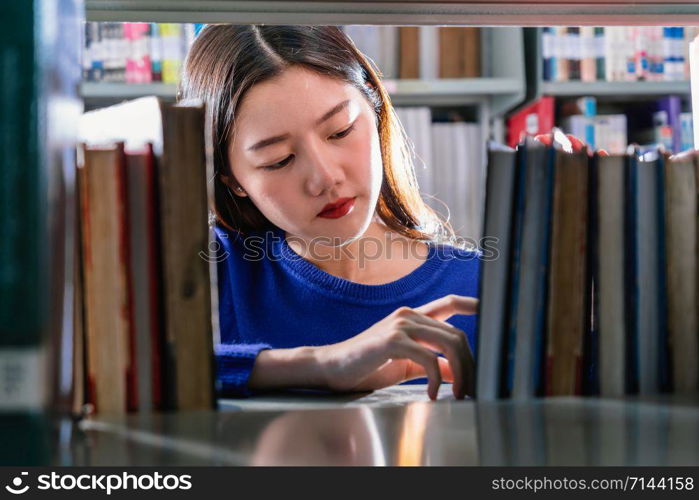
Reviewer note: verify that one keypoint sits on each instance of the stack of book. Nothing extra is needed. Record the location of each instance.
(426, 52)
(449, 159)
(588, 54)
(135, 52)
(143, 329)
(589, 283)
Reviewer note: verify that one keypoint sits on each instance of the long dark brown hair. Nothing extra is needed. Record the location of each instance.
(225, 61)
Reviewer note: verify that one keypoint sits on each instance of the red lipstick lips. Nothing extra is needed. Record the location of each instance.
(338, 209)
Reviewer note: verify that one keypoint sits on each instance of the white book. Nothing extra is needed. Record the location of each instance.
(461, 185)
(429, 52)
(423, 117)
(440, 157)
(388, 38)
(694, 76)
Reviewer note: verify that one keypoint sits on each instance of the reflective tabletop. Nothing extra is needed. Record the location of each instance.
(395, 426)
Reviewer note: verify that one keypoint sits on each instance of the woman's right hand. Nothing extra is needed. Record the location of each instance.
(404, 346)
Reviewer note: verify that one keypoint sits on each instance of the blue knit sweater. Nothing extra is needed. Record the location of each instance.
(270, 297)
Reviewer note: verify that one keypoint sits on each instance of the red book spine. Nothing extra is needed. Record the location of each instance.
(125, 264)
(154, 279)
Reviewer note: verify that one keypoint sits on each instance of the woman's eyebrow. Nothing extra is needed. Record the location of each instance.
(333, 111)
(279, 138)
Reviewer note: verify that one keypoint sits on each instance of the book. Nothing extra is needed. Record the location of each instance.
(530, 320)
(609, 273)
(534, 119)
(694, 84)
(494, 280)
(39, 74)
(459, 52)
(649, 311)
(145, 276)
(108, 313)
(680, 211)
(566, 322)
(409, 52)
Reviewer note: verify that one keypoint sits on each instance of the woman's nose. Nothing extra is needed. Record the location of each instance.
(324, 172)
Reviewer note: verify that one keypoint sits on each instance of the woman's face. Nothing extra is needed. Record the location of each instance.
(303, 141)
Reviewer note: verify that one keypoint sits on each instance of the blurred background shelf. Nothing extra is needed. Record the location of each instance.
(601, 89)
(116, 91)
(404, 92)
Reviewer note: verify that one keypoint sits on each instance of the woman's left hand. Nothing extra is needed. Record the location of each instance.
(577, 144)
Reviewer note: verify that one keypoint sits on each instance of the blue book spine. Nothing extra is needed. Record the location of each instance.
(542, 301)
(547, 42)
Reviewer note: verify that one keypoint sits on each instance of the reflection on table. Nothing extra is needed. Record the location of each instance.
(396, 426)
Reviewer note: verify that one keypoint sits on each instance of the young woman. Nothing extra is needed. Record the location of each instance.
(332, 271)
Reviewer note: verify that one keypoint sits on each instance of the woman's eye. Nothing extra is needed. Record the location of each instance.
(343, 133)
(280, 164)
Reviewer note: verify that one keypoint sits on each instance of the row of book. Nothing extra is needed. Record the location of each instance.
(588, 54)
(449, 160)
(135, 52)
(425, 52)
(664, 125)
(648, 124)
(152, 52)
(143, 303)
(590, 282)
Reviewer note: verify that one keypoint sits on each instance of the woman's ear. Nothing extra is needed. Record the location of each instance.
(233, 185)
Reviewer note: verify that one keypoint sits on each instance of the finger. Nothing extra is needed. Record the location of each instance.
(602, 152)
(458, 337)
(449, 305)
(577, 144)
(425, 358)
(544, 138)
(448, 344)
(417, 371)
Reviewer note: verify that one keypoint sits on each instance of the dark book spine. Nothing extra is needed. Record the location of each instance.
(516, 242)
(664, 371)
(591, 333)
(631, 273)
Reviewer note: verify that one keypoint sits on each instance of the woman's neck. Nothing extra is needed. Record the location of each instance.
(379, 256)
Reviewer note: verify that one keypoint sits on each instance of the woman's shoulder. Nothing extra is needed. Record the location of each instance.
(456, 251)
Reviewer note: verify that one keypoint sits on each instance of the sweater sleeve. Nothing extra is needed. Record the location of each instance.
(234, 357)
(234, 363)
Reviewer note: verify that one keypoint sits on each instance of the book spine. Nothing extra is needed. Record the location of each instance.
(547, 49)
(516, 239)
(631, 273)
(599, 54)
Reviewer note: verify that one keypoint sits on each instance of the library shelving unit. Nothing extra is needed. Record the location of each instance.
(605, 90)
(502, 87)
(554, 431)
